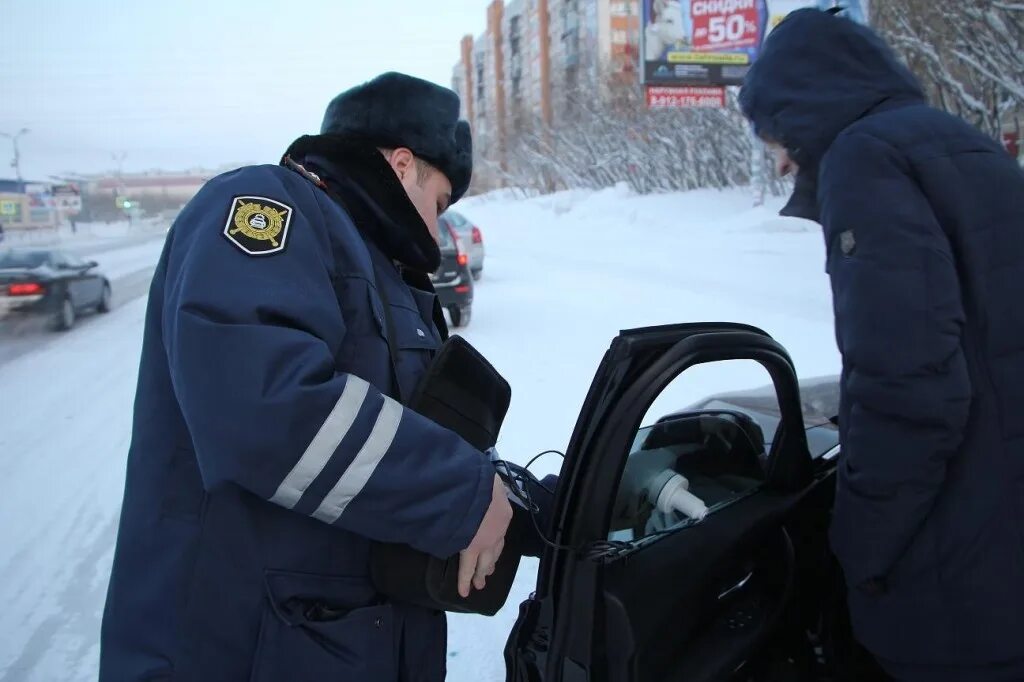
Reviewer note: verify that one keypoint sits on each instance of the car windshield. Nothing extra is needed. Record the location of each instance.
(23, 259)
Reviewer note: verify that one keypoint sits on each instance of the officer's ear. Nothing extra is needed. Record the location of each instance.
(401, 160)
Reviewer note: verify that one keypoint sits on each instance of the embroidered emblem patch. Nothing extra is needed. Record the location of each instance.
(257, 225)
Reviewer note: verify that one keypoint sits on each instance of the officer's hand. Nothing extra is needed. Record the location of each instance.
(478, 560)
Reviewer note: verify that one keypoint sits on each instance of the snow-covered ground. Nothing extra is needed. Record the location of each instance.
(117, 263)
(563, 275)
(87, 237)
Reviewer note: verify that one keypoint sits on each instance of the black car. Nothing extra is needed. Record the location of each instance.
(736, 584)
(51, 283)
(453, 280)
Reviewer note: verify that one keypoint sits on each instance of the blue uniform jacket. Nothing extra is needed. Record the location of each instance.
(267, 453)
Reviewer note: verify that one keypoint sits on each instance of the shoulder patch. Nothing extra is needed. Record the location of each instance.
(258, 225)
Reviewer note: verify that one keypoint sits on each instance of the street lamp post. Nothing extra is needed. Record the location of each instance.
(16, 163)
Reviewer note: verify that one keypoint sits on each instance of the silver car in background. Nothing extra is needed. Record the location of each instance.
(471, 237)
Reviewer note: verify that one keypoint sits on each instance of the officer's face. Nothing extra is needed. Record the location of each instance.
(429, 192)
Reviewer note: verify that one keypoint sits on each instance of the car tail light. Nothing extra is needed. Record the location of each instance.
(462, 289)
(477, 237)
(26, 289)
(461, 256)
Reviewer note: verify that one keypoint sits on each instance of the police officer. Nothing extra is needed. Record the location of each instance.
(269, 446)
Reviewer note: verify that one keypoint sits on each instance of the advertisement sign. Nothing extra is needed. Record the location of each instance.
(692, 96)
(701, 42)
(714, 42)
(67, 199)
(41, 208)
(720, 26)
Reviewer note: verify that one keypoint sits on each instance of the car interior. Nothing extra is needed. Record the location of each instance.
(721, 455)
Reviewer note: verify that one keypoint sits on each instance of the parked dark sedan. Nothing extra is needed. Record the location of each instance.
(51, 283)
(453, 280)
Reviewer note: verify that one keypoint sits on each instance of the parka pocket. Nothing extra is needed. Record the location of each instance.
(414, 339)
(324, 628)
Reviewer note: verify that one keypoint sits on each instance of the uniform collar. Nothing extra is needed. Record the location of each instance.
(374, 198)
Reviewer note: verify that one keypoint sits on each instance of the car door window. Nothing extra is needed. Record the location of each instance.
(694, 460)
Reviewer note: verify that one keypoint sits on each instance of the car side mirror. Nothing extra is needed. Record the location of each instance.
(89, 265)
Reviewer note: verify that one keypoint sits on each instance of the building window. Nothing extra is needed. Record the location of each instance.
(513, 35)
(480, 89)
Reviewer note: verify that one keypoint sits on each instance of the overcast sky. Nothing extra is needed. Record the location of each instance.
(175, 84)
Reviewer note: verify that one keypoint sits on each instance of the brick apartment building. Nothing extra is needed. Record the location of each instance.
(532, 52)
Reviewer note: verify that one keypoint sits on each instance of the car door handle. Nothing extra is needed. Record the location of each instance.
(737, 587)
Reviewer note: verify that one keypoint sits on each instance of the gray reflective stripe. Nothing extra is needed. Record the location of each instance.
(365, 463)
(324, 443)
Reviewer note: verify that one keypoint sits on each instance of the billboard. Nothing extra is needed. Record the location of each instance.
(41, 209)
(67, 199)
(714, 42)
(701, 42)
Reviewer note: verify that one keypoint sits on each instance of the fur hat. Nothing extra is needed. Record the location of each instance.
(396, 110)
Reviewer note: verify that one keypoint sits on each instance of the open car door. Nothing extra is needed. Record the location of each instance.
(639, 595)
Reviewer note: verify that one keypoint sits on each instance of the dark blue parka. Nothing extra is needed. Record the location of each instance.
(923, 220)
(267, 452)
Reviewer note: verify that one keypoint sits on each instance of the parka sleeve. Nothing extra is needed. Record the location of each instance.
(251, 343)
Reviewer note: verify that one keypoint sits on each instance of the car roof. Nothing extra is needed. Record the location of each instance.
(27, 251)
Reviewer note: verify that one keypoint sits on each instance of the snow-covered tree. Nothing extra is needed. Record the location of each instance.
(968, 53)
(607, 135)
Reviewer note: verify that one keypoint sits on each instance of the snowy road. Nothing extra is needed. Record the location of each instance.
(127, 262)
(563, 275)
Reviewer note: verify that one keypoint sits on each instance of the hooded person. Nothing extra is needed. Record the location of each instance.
(923, 219)
(270, 446)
